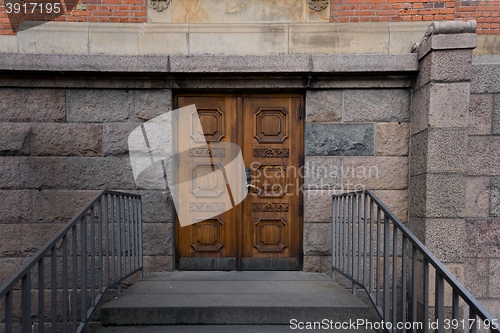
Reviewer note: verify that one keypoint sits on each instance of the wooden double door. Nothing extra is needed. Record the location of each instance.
(264, 231)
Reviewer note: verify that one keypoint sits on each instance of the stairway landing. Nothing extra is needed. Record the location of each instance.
(232, 298)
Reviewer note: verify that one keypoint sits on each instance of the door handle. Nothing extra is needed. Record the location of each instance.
(248, 178)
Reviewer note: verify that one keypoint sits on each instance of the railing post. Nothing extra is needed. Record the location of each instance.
(387, 250)
(426, 296)
(394, 274)
(75, 278)
(334, 236)
(404, 282)
(371, 277)
(365, 232)
(439, 300)
(128, 262)
(414, 296)
(119, 240)
(65, 295)
(106, 233)
(41, 287)
(99, 244)
(341, 233)
(83, 257)
(379, 237)
(359, 255)
(354, 217)
(472, 321)
(26, 303)
(455, 309)
(53, 280)
(92, 257)
(140, 237)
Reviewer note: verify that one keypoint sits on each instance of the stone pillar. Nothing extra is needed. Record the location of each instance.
(438, 149)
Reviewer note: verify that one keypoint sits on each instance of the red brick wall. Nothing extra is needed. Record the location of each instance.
(487, 13)
(133, 11)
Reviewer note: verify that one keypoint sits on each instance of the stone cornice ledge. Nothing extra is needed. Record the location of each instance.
(447, 35)
(212, 64)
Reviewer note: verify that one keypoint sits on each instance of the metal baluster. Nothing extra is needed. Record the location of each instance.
(99, 244)
(41, 290)
(349, 218)
(107, 212)
(387, 258)
(138, 235)
(119, 241)
(454, 309)
(92, 257)
(354, 217)
(426, 295)
(134, 257)
(379, 237)
(359, 255)
(372, 217)
(140, 238)
(65, 284)
(394, 272)
(124, 237)
(404, 273)
(113, 220)
(83, 257)
(439, 299)
(472, 315)
(26, 303)
(365, 231)
(414, 295)
(75, 278)
(129, 234)
(341, 233)
(53, 266)
(334, 236)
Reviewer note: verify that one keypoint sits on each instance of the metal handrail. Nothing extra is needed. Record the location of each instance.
(379, 254)
(97, 249)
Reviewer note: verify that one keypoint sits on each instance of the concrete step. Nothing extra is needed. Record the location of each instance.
(218, 329)
(233, 298)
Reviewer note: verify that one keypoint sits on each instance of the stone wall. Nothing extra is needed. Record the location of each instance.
(482, 211)
(454, 160)
(65, 139)
(57, 149)
(438, 137)
(355, 139)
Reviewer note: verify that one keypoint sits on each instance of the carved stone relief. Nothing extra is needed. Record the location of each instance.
(159, 5)
(318, 5)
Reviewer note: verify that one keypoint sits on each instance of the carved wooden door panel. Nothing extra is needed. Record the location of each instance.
(212, 243)
(272, 143)
(264, 232)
